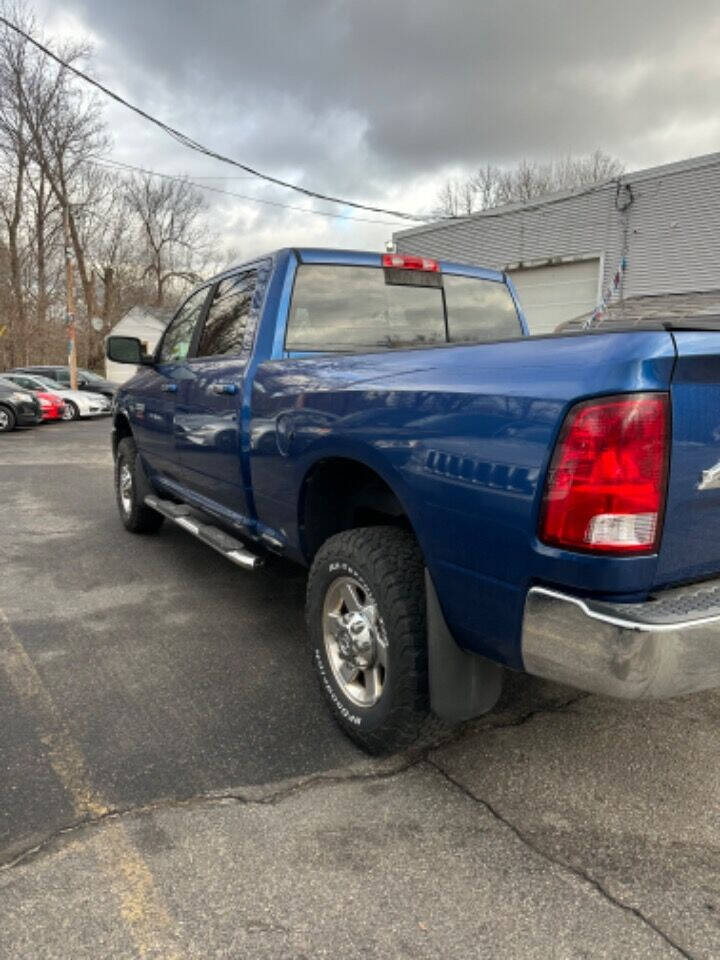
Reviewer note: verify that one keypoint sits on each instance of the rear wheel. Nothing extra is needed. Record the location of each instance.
(71, 411)
(136, 517)
(366, 621)
(7, 419)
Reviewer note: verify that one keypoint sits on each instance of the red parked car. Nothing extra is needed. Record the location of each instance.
(51, 405)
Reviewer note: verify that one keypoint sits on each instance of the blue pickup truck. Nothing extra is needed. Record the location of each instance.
(468, 498)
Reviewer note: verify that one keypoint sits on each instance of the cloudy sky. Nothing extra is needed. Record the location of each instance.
(380, 101)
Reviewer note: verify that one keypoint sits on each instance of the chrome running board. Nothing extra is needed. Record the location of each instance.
(233, 550)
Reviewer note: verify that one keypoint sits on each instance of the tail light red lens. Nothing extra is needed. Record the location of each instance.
(406, 261)
(605, 489)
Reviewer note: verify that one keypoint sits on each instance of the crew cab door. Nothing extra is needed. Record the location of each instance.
(208, 427)
(155, 390)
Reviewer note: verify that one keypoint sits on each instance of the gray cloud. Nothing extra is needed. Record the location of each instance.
(433, 82)
(362, 98)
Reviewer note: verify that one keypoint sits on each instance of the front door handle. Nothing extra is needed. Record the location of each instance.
(224, 388)
(169, 387)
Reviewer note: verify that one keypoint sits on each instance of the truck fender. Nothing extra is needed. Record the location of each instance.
(462, 685)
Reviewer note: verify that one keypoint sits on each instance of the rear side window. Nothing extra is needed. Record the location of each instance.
(228, 316)
(340, 308)
(479, 310)
(178, 336)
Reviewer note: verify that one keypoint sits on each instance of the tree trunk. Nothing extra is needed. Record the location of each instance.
(85, 278)
(16, 284)
(108, 300)
(41, 255)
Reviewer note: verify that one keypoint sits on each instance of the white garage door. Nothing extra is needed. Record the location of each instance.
(551, 294)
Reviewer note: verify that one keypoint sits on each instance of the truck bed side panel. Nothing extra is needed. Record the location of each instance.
(463, 436)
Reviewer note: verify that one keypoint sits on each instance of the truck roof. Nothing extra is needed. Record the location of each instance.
(360, 258)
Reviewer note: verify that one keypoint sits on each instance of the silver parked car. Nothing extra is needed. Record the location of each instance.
(78, 403)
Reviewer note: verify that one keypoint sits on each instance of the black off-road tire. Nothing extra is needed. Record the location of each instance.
(8, 421)
(135, 516)
(388, 564)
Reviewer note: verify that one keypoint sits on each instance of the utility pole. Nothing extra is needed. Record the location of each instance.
(70, 300)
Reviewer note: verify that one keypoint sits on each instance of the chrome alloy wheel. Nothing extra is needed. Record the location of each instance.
(125, 485)
(68, 412)
(4, 419)
(355, 641)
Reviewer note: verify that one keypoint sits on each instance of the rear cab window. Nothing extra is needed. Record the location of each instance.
(226, 326)
(176, 342)
(337, 308)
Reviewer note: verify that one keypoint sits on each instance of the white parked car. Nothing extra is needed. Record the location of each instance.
(78, 403)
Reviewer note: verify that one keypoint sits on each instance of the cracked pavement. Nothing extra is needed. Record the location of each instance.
(172, 787)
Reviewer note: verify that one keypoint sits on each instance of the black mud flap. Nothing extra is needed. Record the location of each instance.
(462, 685)
(143, 486)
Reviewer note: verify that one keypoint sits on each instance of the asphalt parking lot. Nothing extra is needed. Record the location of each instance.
(171, 785)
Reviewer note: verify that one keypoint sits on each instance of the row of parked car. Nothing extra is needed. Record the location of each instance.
(32, 395)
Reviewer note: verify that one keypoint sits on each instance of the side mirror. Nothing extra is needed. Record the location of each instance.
(125, 350)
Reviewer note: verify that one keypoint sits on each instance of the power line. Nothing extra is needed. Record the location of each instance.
(197, 176)
(229, 193)
(191, 144)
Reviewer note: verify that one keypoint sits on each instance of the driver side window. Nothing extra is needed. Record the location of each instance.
(178, 336)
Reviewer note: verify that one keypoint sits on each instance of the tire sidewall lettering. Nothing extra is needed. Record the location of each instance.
(339, 705)
(338, 568)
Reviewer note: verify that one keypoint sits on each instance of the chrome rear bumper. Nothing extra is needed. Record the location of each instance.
(661, 648)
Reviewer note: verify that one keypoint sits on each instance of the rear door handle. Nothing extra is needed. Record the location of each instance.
(224, 388)
(169, 387)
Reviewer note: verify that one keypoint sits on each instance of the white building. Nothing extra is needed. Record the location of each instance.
(566, 251)
(148, 325)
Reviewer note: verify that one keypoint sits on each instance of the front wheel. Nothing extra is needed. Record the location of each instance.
(366, 623)
(136, 517)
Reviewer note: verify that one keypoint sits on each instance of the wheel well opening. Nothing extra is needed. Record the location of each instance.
(121, 429)
(342, 494)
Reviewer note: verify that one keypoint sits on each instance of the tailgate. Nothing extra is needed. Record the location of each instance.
(690, 547)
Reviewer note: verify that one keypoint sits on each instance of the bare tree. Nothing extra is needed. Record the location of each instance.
(457, 197)
(45, 224)
(491, 185)
(15, 148)
(113, 245)
(48, 129)
(67, 129)
(134, 240)
(171, 232)
(109, 231)
(486, 184)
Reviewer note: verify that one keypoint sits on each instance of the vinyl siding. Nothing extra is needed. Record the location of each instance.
(675, 233)
(672, 229)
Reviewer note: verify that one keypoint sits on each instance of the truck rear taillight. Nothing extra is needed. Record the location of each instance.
(406, 261)
(605, 489)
